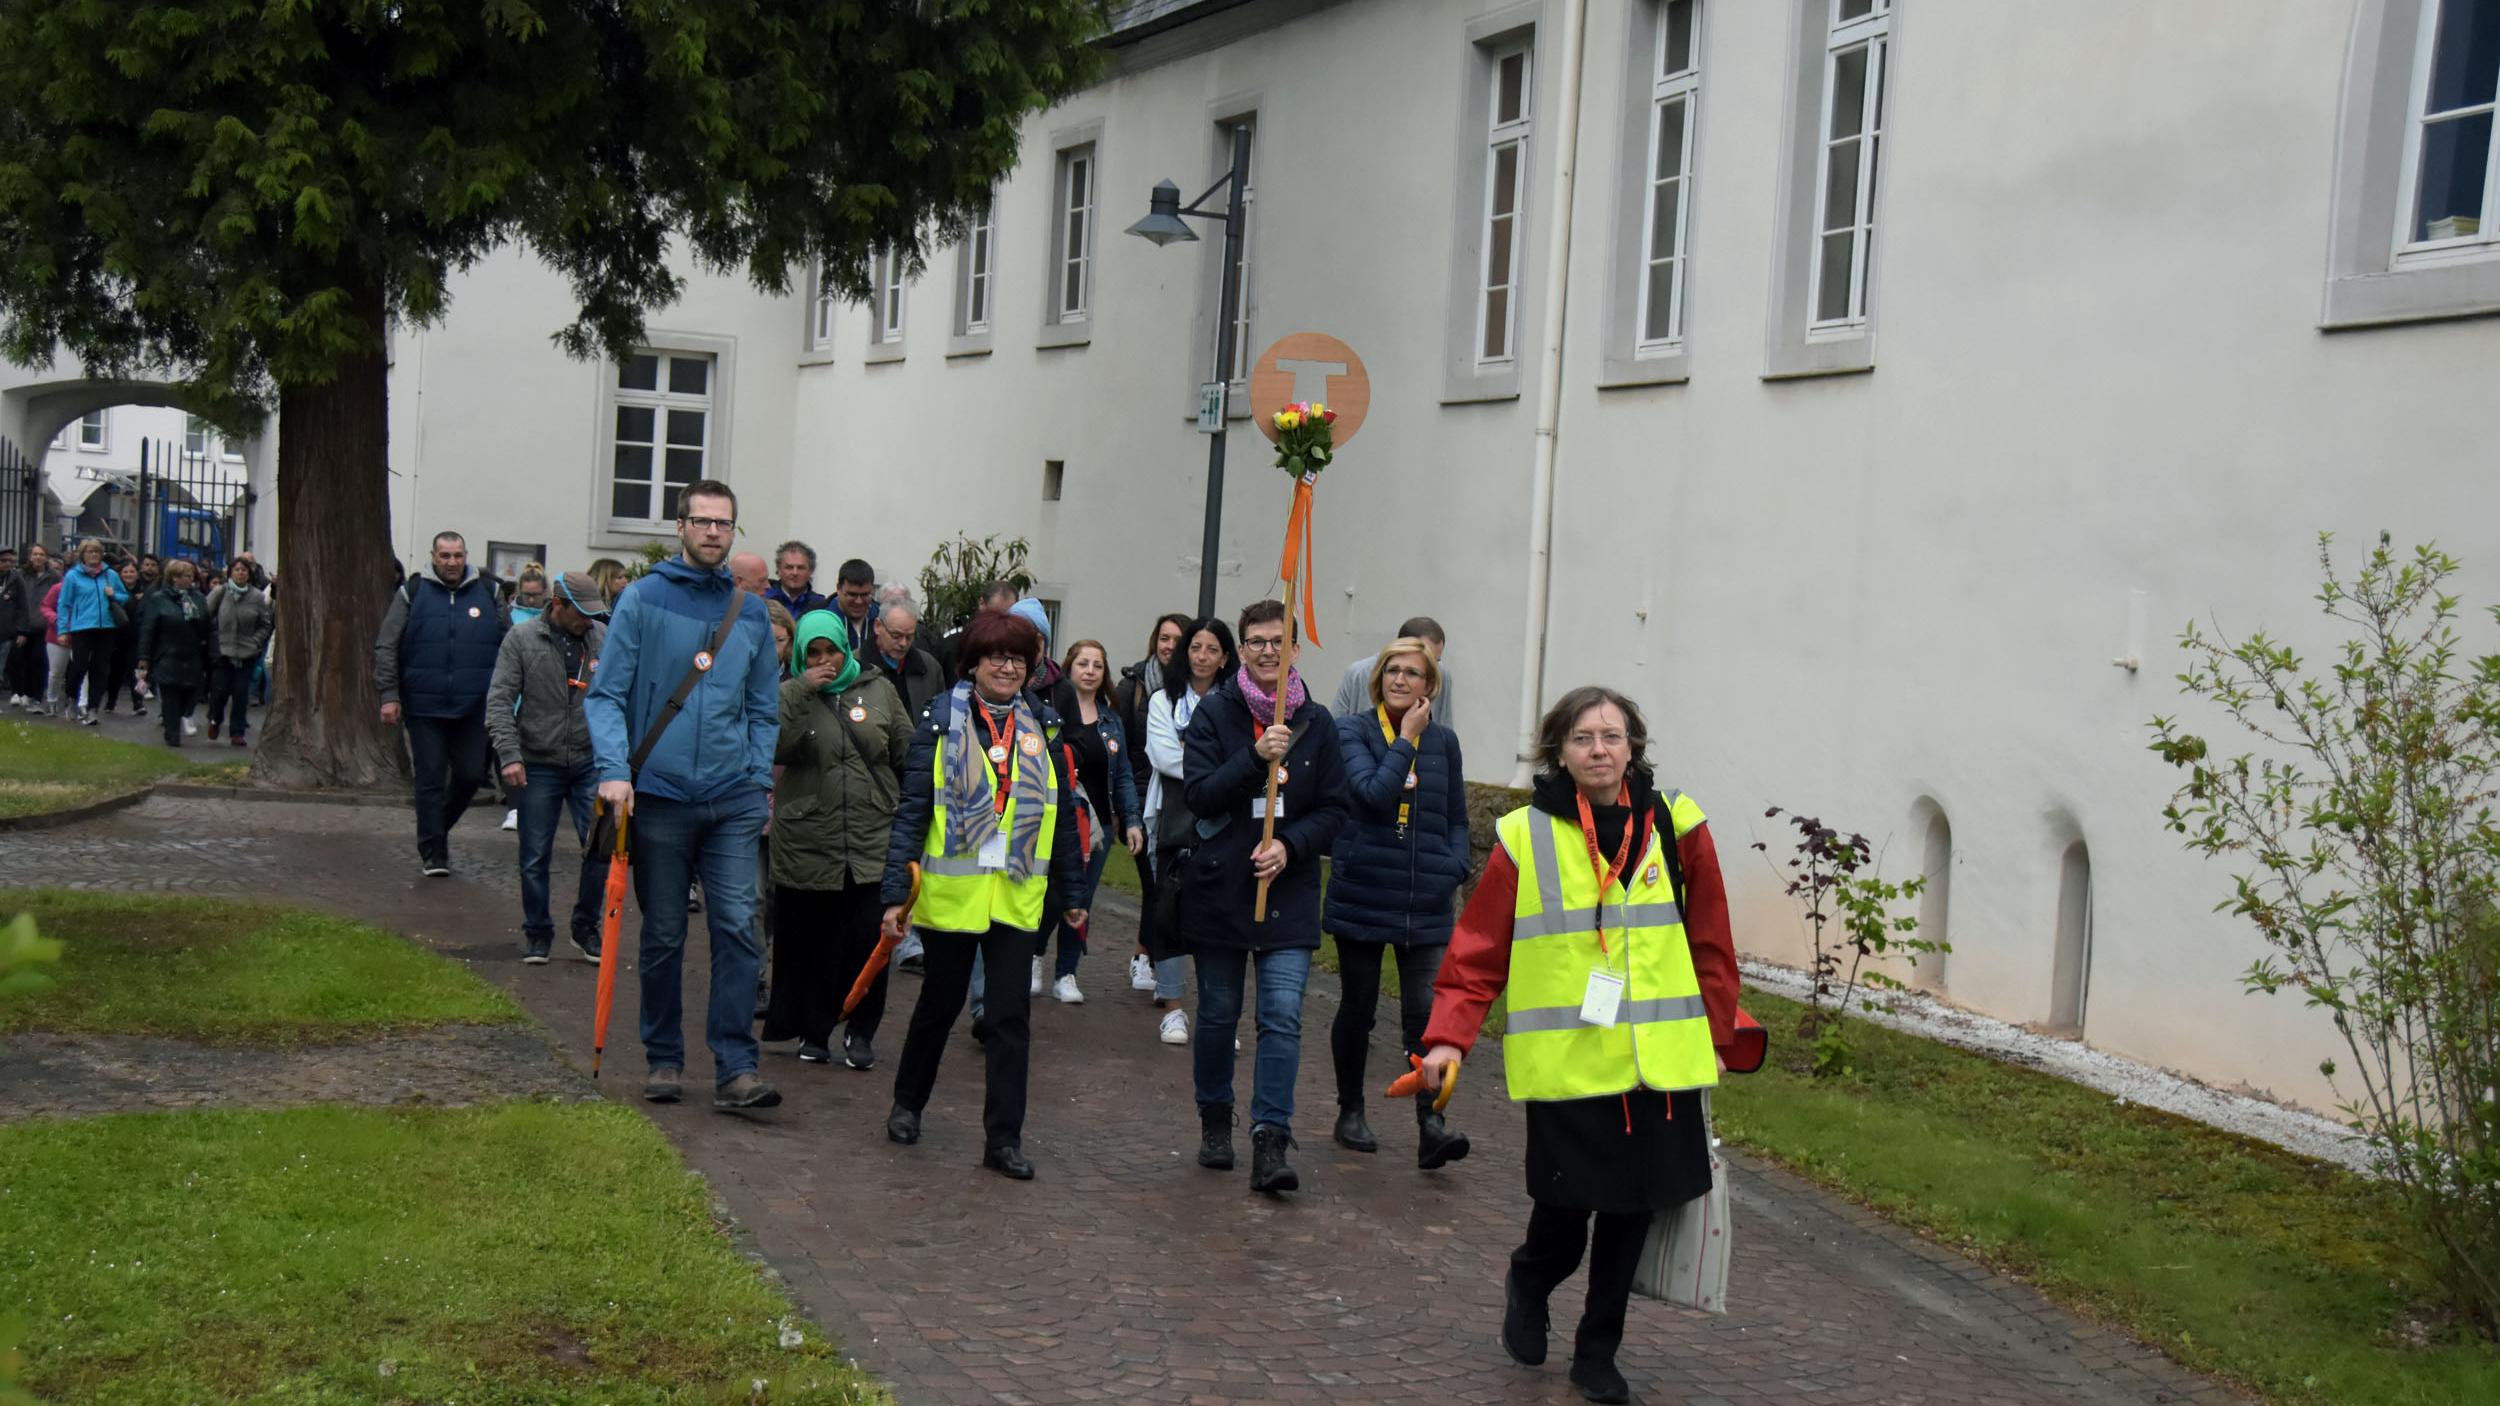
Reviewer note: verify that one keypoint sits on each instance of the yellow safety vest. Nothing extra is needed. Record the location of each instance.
(1661, 1035)
(956, 893)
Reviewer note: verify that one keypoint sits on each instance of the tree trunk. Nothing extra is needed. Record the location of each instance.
(334, 529)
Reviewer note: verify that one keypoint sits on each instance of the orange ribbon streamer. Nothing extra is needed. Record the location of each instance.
(1298, 555)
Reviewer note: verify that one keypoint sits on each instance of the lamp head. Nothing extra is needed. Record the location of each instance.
(1163, 223)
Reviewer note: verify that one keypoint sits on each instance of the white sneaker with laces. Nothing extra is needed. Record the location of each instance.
(1141, 973)
(1175, 1028)
(1064, 991)
(1037, 978)
(512, 818)
(190, 728)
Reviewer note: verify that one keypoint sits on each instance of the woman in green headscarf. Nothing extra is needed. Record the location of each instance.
(844, 738)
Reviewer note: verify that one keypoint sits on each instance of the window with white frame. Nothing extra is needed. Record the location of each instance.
(1675, 89)
(195, 433)
(976, 271)
(1240, 330)
(885, 300)
(820, 311)
(1072, 275)
(1855, 50)
(663, 404)
(2449, 192)
(1506, 182)
(91, 431)
(228, 448)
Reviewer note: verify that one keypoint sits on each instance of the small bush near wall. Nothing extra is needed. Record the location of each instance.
(2361, 833)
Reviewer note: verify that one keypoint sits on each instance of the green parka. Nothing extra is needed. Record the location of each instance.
(841, 757)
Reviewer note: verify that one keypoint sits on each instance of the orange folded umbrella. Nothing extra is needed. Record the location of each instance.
(883, 953)
(1751, 1045)
(611, 924)
(1411, 1083)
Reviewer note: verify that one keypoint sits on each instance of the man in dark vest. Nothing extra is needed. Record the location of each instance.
(431, 666)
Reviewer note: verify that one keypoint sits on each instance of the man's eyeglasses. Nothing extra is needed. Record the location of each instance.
(1262, 646)
(711, 524)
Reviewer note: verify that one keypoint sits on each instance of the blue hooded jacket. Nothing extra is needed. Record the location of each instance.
(87, 600)
(724, 739)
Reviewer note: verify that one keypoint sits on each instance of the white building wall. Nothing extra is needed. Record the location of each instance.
(498, 435)
(2100, 405)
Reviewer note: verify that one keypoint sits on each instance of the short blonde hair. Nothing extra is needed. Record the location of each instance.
(1406, 645)
(84, 543)
(179, 567)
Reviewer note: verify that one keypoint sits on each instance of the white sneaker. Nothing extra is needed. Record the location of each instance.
(1175, 1028)
(512, 818)
(1064, 991)
(1037, 978)
(1141, 973)
(190, 728)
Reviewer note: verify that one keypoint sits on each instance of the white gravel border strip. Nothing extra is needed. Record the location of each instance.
(2292, 1129)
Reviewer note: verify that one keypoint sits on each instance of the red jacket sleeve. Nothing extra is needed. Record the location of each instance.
(1707, 933)
(1477, 966)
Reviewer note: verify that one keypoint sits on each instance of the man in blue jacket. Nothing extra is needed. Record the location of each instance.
(698, 799)
(431, 664)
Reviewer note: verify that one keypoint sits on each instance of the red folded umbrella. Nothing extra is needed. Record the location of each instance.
(884, 951)
(1750, 1046)
(1411, 1083)
(611, 924)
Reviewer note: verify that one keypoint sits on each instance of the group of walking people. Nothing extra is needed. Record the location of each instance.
(77, 641)
(749, 744)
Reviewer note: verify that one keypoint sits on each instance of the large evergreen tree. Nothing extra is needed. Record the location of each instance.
(242, 194)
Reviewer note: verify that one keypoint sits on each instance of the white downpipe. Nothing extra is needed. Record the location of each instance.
(1549, 392)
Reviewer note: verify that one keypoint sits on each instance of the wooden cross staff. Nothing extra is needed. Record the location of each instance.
(1345, 387)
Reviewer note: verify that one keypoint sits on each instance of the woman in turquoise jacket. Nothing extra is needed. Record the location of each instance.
(88, 594)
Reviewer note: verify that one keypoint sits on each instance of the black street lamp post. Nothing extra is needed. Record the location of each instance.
(1164, 225)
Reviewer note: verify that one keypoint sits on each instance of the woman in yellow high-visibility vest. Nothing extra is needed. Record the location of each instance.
(986, 815)
(1602, 915)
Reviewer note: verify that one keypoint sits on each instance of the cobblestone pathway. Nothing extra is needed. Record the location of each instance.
(1127, 1273)
(78, 1076)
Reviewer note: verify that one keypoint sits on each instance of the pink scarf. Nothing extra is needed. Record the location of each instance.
(1262, 707)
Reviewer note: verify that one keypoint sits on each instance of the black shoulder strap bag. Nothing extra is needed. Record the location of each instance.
(603, 830)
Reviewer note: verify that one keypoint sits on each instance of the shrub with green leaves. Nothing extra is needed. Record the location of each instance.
(2359, 825)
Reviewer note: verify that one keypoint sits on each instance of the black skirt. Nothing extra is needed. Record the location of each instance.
(1620, 1154)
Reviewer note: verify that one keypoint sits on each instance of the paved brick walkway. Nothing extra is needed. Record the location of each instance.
(1127, 1273)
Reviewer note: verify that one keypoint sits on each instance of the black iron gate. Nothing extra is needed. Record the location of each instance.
(21, 496)
(192, 504)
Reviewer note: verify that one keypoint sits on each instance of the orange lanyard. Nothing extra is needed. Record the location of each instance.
(1606, 875)
(1002, 754)
(1389, 735)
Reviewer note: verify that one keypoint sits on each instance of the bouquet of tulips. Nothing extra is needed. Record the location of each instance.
(1304, 441)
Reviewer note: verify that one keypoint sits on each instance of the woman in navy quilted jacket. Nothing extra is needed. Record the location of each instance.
(1397, 867)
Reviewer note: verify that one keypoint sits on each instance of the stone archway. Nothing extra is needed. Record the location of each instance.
(37, 403)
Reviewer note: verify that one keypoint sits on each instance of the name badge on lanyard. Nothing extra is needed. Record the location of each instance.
(993, 854)
(1603, 1005)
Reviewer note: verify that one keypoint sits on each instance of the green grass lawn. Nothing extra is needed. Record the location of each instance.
(2236, 1257)
(213, 970)
(45, 767)
(523, 1253)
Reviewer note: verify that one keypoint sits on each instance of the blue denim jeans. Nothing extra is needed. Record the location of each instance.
(673, 842)
(1221, 974)
(552, 791)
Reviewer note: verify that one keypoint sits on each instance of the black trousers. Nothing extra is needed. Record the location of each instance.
(30, 669)
(1358, 976)
(1556, 1240)
(945, 982)
(172, 701)
(230, 695)
(449, 757)
(90, 660)
(822, 942)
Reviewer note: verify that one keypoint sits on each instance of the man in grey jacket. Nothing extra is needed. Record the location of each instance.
(534, 714)
(1354, 691)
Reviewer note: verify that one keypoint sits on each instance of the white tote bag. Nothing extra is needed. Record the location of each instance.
(1685, 1259)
